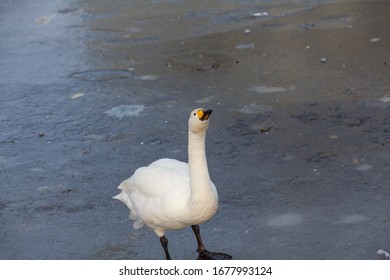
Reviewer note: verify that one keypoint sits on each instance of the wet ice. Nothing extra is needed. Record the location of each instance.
(264, 179)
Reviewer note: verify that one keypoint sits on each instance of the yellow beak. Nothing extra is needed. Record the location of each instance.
(204, 115)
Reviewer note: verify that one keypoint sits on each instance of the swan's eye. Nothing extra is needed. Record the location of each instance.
(194, 114)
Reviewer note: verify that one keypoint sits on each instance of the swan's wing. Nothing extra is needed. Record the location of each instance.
(156, 191)
(161, 178)
(176, 166)
(158, 194)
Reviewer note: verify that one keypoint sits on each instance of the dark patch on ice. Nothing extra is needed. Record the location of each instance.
(67, 10)
(307, 26)
(101, 75)
(320, 156)
(308, 117)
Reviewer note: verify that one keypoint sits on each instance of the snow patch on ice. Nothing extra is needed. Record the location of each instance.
(50, 189)
(252, 109)
(125, 111)
(37, 169)
(77, 95)
(285, 220)
(260, 14)
(364, 167)
(385, 99)
(375, 40)
(204, 100)
(146, 77)
(265, 89)
(245, 46)
(353, 219)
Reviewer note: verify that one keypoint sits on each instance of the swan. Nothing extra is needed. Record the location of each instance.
(172, 195)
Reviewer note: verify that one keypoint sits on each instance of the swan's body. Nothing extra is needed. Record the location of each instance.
(170, 194)
(159, 196)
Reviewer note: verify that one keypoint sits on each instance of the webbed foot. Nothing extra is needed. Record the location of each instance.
(206, 255)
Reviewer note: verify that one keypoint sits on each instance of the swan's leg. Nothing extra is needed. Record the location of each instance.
(203, 253)
(164, 244)
(196, 230)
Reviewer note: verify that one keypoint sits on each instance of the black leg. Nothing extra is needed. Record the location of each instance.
(203, 253)
(164, 244)
(196, 230)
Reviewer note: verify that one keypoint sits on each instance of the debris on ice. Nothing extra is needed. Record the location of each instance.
(146, 77)
(77, 95)
(44, 20)
(259, 14)
(385, 99)
(375, 40)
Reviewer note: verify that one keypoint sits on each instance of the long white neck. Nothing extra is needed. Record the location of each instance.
(201, 189)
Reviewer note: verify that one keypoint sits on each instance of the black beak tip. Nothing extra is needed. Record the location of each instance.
(206, 115)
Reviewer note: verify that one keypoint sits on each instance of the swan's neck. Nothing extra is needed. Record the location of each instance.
(201, 188)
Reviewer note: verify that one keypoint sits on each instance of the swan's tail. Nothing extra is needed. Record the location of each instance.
(123, 196)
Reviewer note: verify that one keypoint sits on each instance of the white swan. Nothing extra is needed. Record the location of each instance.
(171, 195)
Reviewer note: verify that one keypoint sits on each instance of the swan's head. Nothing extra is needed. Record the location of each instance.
(199, 120)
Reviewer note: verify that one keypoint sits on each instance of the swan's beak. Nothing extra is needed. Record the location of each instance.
(204, 115)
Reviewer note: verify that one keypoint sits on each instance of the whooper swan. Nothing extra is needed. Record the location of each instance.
(171, 195)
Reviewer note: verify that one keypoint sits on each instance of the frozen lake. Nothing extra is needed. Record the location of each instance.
(298, 144)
